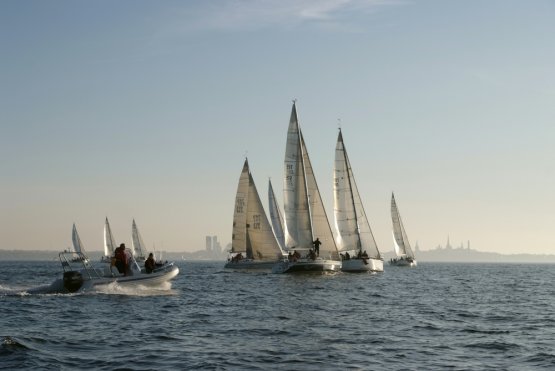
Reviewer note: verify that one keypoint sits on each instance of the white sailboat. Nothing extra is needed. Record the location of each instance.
(253, 245)
(109, 243)
(354, 236)
(405, 255)
(138, 248)
(275, 216)
(305, 216)
(77, 245)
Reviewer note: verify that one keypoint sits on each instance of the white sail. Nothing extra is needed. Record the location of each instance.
(138, 248)
(239, 235)
(252, 232)
(77, 244)
(395, 245)
(298, 222)
(351, 222)
(275, 216)
(109, 242)
(320, 224)
(305, 216)
(399, 231)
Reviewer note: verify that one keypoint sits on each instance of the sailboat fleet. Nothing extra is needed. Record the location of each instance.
(302, 240)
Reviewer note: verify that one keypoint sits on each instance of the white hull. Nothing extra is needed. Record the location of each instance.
(152, 279)
(307, 266)
(403, 263)
(250, 264)
(362, 265)
(142, 279)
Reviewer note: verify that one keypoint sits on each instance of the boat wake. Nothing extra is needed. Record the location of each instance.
(57, 288)
(114, 288)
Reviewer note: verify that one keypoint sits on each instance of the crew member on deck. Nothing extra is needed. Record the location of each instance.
(317, 244)
(150, 264)
(121, 259)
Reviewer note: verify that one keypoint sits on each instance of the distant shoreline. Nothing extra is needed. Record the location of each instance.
(460, 255)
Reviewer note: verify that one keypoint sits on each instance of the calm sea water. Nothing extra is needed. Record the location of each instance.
(434, 316)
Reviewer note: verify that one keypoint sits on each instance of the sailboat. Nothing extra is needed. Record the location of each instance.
(275, 216)
(305, 216)
(109, 243)
(405, 255)
(138, 248)
(354, 236)
(77, 246)
(253, 244)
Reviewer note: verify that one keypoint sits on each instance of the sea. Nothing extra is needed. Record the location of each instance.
(436, 316)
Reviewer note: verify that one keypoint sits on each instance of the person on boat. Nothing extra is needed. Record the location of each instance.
(312, 255)
(290, 256)
(347, 256)
(120, 260)
(150, 263)
(317, 244)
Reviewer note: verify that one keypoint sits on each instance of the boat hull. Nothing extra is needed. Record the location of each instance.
(362, 265)
(250, 265)
(143, 279)
(307, 266)
(82, 281)
(403, 263)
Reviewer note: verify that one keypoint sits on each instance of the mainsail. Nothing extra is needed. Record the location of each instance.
(137, 245)
(275, 216)
(77, 244)
(305, 216)
(351, 222)
(401, 239)
(109, 242)
(252, 232)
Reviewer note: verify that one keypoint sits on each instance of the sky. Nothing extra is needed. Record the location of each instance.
(146, 110)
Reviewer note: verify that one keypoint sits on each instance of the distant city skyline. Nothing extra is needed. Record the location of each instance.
(146, 110)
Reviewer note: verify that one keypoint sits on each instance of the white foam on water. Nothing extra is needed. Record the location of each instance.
(115, 288)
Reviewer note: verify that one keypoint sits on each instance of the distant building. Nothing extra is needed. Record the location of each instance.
(213, 245)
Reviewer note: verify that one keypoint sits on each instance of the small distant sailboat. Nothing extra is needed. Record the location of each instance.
(405, 255)
(109, 243)
(78, 246)
(305, 216)
(354, 236)
(253, 245)
(138, 248)
(275, 216)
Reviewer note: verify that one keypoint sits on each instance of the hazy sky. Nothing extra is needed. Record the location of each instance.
(146, 110)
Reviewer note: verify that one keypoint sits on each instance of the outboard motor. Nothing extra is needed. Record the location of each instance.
(73, 281)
